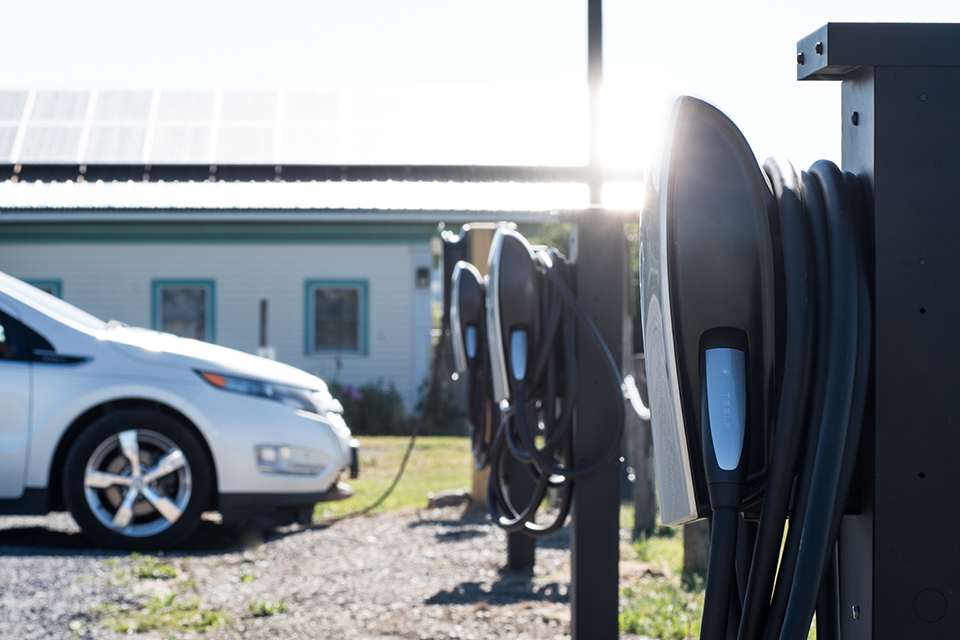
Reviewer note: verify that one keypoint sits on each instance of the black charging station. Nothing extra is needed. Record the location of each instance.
(801, 347)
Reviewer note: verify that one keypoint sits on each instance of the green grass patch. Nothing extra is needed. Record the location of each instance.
(171, 613)
(436, 464)
(264, 608)
(664, 603)
(662, 607)
(150, 568)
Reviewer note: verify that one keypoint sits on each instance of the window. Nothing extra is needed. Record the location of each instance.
(336, 316)
(184, 308)
(18, 341)
(53, 287)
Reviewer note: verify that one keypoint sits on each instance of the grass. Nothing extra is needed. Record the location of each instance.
(264, 608)
(166, 613)
(664, 602)
(173, 608)
(149, 568)
(436, 464)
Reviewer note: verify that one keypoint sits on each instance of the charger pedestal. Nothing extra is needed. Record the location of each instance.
(900, 556)
(599, 243)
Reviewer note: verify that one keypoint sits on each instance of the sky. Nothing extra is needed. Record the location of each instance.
(738, 55)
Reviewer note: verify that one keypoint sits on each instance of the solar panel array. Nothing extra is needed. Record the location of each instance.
(451, 125)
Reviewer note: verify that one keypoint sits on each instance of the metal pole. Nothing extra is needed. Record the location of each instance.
(598, 243)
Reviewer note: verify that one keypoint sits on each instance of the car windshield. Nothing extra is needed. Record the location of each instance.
(48, 303)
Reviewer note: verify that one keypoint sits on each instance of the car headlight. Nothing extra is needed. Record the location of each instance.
(320, 402)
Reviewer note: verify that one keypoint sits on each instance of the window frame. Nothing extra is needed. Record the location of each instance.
(362, 287)
(56, 285)
(156, 289)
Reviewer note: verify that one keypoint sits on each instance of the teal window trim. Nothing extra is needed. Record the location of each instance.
(362, 286)
(156, 288)
(55, 286)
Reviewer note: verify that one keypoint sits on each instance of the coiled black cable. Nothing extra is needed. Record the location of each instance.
(545, 445)
(827, 346)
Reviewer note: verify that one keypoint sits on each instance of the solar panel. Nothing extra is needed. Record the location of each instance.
(186, 106)
(50, 144)
(306, 145)
(11, 105)
(60, 105)
(304, 106)
(111, 144)
(7, 136)
(123, 106)
(258, 106)
(180, 144)
(245, 145)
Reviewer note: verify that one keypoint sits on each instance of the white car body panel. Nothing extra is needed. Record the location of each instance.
(116, 363)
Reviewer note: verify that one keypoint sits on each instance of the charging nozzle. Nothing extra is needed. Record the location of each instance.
(467, 314)
(513, 310)
(724, 425)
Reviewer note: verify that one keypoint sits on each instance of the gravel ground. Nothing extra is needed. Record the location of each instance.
(428, 574)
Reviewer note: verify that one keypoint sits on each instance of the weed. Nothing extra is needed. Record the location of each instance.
(164, 613)
(152, 569)
(263, 608)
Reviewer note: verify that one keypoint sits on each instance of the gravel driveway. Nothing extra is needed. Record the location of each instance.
(414, 574)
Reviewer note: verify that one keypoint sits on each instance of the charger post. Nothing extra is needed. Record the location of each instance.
(900, 555)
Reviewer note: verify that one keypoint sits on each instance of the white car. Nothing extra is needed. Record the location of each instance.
(137, 432)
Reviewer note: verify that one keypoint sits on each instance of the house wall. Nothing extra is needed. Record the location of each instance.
(112, 280)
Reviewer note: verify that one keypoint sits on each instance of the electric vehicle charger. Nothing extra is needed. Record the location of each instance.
(532, 317)
(757, 328)
(468, 335)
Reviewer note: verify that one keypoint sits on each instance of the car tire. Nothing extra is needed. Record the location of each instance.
(137, 479)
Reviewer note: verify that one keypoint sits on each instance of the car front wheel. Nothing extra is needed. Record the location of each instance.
(137, 479)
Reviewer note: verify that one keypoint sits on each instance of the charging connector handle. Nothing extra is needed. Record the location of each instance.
(725, 404)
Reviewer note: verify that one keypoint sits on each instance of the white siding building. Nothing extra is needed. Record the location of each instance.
(124, 279)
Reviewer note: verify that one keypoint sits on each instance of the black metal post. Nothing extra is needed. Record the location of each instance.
(598, 245)
(595, 522)
(900, 556)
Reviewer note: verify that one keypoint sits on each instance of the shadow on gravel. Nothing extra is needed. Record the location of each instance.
(472, 517)
(34, 540)
(512, 588)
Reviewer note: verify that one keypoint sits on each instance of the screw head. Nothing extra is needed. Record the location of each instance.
(800, 57)
(856, 612)
(923, 97)
(819, 48)
(855, 118)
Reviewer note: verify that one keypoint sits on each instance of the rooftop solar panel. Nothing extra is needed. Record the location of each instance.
(303, 106)
(49, 144)
(245, 145)
(177, 144)
(306, 145)
(60, 105)
(258, 106)
(11, 105)
(7, 136)
(112, 144)
(186, 106)
(123, 106)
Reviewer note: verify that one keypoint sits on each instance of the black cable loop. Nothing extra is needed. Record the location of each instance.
(551, 464)
(800, 306)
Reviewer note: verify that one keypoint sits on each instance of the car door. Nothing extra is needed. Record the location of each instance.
(15, 392)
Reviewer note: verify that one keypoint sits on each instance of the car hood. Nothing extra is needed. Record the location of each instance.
(165, 349)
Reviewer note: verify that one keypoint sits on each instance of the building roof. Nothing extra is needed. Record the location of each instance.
(197, 155)
(419, 125)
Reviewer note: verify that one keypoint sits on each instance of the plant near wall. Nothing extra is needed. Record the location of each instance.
(376, 409)
(372, 409)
